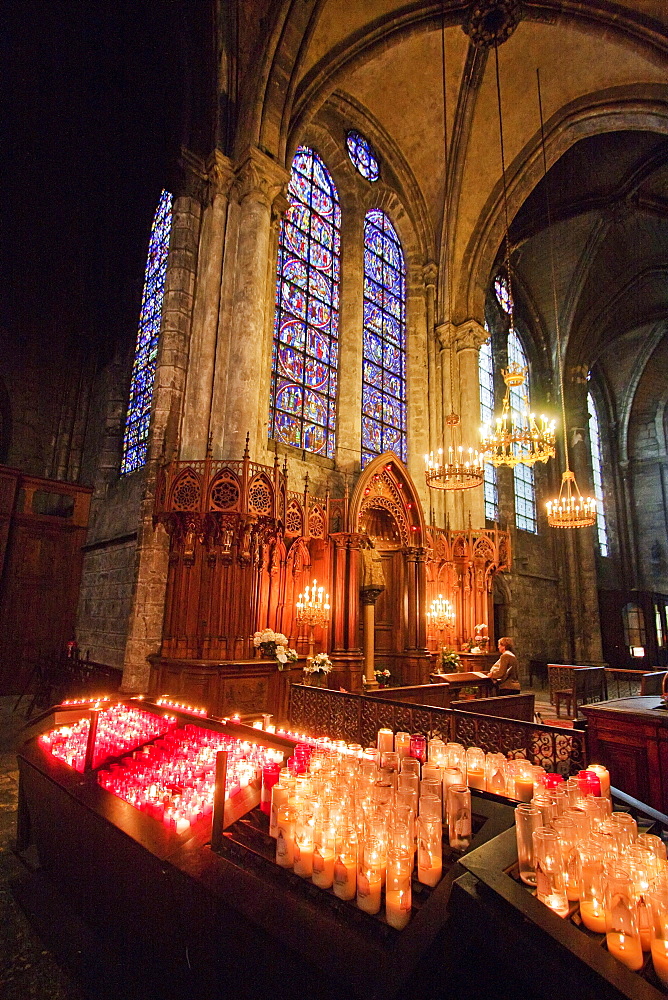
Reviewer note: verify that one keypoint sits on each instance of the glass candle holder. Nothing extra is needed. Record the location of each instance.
(371, 863)
(389, 761)
(459, 817)
(550, 883)
(270, 774)
(430, 848)
(475, 768)
(455, 756)
(324, 846)
(345, 864)
(567, 832)
(524, 781)
(591, 887)
(385, 740)
(561, 798)
(410, 765)
(604, 777)
(658, 901)
(402, 742)
(408, 780)
(279, 796)
(628, 824)
(652, 843)
(436, 751)
(495, 780)
(398, 896)
(285, 835)
(621, 918)
(418, 748)
(304, 833)
(589, 782)
(527, 819)
(547, 808)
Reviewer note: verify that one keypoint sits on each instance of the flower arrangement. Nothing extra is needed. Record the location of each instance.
(480, 638)
(383, 677)
(449, 660)
(320, 664)
(275, 644)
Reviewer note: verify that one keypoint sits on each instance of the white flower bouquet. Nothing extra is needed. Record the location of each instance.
(275, 644)
(320, 664)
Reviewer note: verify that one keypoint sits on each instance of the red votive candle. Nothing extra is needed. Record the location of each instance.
(418, 747)
(551, 779)
(270, 773)
(589, 782)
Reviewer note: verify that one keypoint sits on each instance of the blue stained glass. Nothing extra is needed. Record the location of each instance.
(523, 475)
(502, 292)
(383, 340)
(135, 439)
(486, 378)
(305, 355)
(362, 156)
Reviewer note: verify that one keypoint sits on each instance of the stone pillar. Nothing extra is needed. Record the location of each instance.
(412, 581)
(351, 323)
(259, 183)
(435, 390)
(369, 597)
(580, 542)
(417, 353)
(148, 597)
(217, 177)
(469, 337)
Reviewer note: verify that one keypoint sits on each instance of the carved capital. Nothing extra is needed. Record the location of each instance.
(467, 336)
(577, 374)
(370, 595)
(220, 175)
(430, 274)
(259, 177)
(193, 180)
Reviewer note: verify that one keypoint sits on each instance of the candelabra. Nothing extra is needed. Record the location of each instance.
(441, 615)
(311, 609)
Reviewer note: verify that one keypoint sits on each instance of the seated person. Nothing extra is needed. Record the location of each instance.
(505, 669)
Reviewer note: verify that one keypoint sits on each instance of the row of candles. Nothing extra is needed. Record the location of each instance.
(174, 779)
(573, 848)
(358, 824)
(120, 729)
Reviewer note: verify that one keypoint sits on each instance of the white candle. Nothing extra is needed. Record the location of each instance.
(430, 867)
(603, 776)
(345, 876)
(385, 740)
(368, 891)
(593, 915)
(398, 907)
(323, 867)
(626, 949)
(475, 778)
(660, 959)
(303, 860)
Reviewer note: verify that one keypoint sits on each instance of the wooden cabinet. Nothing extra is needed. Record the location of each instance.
(630, 736)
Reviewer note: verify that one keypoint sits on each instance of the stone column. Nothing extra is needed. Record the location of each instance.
(148, 598)
(217, 177)
(369, 597)
(468, 338)
(580, 542)
(351, 323)
(417, 353)
(435, 391)
(259, 182)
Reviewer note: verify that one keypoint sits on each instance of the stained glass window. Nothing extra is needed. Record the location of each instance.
(597, 475)
(384, 340)
(523, 475)
(486, 378)
(362, 156)
(135, 440)
(502, 292)
(306, 346)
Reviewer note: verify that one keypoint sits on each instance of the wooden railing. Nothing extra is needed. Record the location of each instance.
(357, 718)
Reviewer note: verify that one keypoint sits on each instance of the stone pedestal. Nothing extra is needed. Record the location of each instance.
(369, 597)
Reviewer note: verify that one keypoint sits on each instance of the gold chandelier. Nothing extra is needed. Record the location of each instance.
(509, 439)
(570, 509)
(455, 467)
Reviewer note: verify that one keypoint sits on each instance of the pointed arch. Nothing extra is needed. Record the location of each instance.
(385, 483)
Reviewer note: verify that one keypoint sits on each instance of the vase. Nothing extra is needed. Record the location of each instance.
(315, 680)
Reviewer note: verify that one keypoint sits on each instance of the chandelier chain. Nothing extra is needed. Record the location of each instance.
(511, 301)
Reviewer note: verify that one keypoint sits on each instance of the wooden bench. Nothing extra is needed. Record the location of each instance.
(588, 684)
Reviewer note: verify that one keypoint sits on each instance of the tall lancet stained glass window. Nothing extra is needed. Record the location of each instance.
(306, 346)
(523, 475)
(486, 378)
(597, 474)
(135, 440)
(384, 340)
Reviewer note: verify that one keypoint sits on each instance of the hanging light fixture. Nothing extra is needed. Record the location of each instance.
(516, 436)
(570, 509)
(454, 467)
